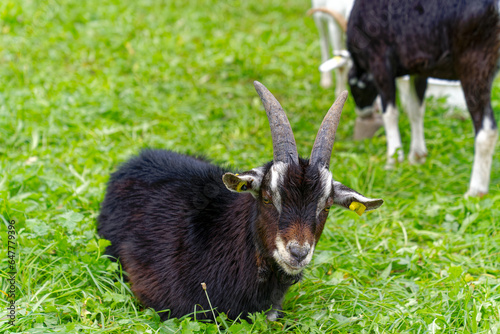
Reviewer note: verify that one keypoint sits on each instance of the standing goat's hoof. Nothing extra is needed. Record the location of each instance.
(394, 159)
(475, 193)
(417, 157)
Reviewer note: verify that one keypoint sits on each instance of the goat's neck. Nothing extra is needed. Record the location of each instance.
(264, 262)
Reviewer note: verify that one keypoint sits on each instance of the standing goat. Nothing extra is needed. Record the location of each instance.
(175, 221)
(454, 40)
(331, 18)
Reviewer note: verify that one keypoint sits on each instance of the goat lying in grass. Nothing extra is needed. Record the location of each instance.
(175, 221)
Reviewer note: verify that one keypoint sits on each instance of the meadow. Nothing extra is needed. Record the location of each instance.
(87, 84)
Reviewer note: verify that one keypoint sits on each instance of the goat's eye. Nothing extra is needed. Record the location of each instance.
(266, 200)
(327, 209)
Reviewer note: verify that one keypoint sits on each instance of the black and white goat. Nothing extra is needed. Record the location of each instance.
(175, 221)
(454, 40)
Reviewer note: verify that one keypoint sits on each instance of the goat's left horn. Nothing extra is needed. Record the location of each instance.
(323, 145)
(284, 147)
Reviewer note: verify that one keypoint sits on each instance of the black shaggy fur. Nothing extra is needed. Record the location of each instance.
(446, 39)
(167, 215)
(451, 39)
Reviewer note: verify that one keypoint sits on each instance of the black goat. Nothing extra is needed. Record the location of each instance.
(452, 39)
(175, 221)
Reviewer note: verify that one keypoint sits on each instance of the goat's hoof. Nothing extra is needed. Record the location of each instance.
(417, 158)
(274, 315)
(394, 160)
(389, 166)
(475, 193)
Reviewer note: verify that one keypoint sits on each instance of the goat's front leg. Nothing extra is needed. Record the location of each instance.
(484, 148)
(274, 314)
(394, 146)
(387, 88)
(276, 311)
(414, 104)
(477, 93)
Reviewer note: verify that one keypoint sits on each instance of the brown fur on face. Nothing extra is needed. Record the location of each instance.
(299, 222)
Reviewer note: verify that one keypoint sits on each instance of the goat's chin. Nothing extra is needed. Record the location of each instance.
(289, 268)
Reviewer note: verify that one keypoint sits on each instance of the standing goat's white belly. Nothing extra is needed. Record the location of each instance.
(449, 89)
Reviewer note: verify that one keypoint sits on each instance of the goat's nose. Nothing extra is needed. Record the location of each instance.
(299, 253)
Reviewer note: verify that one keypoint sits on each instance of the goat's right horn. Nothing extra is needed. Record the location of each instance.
(323, 145)
(284, 147)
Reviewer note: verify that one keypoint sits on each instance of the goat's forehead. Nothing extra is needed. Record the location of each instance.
(299, 179)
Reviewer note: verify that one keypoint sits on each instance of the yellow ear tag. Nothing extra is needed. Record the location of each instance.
(240, 185)
(357, 207)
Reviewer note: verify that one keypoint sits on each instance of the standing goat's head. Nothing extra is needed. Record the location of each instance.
(294, 195)
(363, 90)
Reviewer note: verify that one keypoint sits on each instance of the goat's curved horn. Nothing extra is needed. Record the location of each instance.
(284, 147)
(323, 145)
(341, 21)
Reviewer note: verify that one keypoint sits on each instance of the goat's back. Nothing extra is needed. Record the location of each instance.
(422, 36)
(159, 187)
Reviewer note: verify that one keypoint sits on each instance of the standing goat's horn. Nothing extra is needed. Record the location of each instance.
(341, 21)
(284, 147)
(323, 145)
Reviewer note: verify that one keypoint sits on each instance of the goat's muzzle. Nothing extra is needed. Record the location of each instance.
(292, 257)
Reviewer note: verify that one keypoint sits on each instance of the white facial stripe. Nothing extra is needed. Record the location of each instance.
(326, 182)
(483, 155)
(278, 170)
(283, 258)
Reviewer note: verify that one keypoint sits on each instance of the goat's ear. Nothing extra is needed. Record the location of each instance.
(245, 182)
(352, 200)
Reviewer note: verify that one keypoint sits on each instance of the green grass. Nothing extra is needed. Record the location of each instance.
(87, 84)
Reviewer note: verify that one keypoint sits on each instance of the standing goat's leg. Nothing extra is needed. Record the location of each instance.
(335, 33)
(477, 91)
(415, 107)
(326, 77)
(386, 86)
(394, 146)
